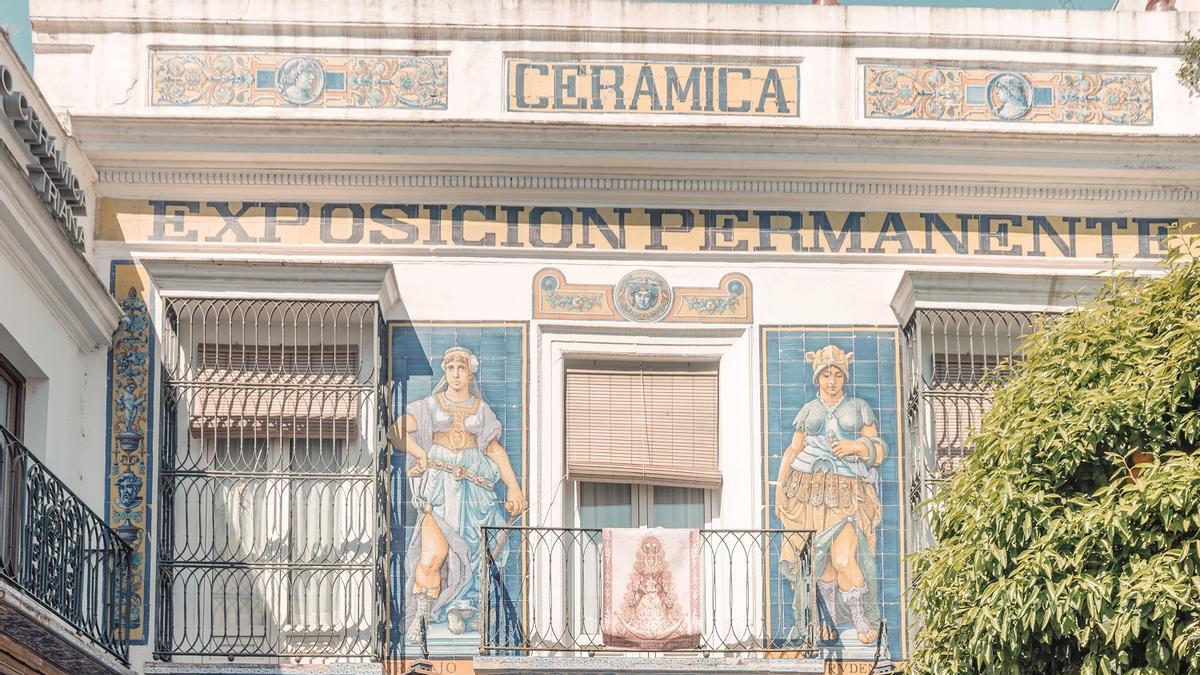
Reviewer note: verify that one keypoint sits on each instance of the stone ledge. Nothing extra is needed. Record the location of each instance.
(605, 664)
(35, 628)
(222, 667)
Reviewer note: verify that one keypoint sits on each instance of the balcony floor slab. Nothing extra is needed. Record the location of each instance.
(611, 664)
(36, 629)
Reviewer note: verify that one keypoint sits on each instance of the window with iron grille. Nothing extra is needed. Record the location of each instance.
(958, 395)
(956, 359)
(270, 480)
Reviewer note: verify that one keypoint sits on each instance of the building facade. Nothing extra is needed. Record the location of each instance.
(349, 332)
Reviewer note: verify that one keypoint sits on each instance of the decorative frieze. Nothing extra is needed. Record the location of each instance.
(642, 296)
(948, 93)
(244, 79)
(1086, 193)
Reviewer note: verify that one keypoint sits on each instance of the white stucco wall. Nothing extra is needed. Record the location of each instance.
(65, 404)
(93, 64)
(55, 320)
(100, 66)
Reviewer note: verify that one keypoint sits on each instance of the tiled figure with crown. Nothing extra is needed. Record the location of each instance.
(828, 483)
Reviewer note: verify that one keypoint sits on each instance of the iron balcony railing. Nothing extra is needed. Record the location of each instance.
(547, 596)
(60, 553)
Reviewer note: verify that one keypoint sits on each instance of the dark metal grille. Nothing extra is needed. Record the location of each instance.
(59, 552)
(269, 479)
(956, 358)
(550, 597)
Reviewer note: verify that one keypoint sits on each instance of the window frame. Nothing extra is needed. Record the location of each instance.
(641, 499)
(581, 588)
(16, 403)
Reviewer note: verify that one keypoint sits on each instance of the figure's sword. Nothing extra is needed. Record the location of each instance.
(503, 538)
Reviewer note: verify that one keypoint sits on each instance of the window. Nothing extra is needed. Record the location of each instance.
(602, 505)
(957, 357)
(269, 476)
(12, 398)
(958, 400)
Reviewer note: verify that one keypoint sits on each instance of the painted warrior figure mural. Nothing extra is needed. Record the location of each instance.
(455, 463)
(828, 484)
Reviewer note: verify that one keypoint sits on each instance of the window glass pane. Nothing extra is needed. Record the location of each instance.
(600, 505)
(678, 507)
(605, 505)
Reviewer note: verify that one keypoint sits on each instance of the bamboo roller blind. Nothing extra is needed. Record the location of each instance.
(643, 423)
(256, 390)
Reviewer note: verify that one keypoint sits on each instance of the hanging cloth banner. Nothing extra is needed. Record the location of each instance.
(651, 589)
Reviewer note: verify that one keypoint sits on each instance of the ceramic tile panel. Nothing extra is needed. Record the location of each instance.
(1042, 95)
(494, 408)
(130, 408)
(643, 296)
(251, 79)
(843, 481)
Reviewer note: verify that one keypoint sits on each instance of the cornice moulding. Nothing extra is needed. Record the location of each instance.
(327, 280)
(617, 162)
(600, 21)
(974, 290)
(126, 141)
(74, 294)
(608, 185)
(157, 124)
(290, 256)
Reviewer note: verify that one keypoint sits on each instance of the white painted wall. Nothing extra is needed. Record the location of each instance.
(93, 61)
(65, 407)
(93, 55)
(55, 320)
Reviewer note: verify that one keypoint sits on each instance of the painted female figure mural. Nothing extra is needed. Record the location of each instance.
(827, 483)
(455, 462)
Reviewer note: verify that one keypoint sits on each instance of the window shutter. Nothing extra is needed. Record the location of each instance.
(652, 423)
(254, 391)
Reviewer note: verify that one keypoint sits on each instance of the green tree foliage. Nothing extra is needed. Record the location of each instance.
(1070, 541)
(1189, 65)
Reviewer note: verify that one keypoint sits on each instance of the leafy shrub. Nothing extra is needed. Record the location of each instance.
(1189, 66)
(1070, 541)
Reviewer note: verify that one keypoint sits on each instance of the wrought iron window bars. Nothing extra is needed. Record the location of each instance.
(270, 480)
(955, 360)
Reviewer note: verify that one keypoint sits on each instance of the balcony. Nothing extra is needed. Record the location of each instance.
(543, 605)
(65, 573)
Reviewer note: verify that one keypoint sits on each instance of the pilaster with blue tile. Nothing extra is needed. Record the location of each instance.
(788, 386)
(416, 351)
